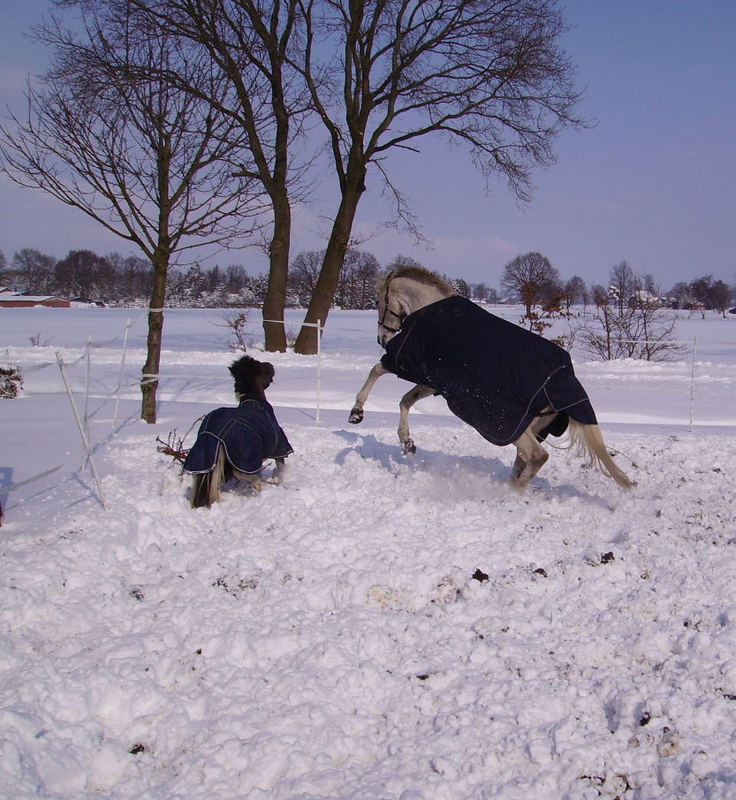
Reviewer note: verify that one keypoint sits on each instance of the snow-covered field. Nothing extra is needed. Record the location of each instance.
(377, 628)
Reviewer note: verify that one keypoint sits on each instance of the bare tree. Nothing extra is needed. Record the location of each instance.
(531, 279)
(649, 284)
(135, 278)
(623, 283)
(641, 328)
(303, 274)
(700, 289)
(680, 295)
(34, 271)
(720, 296)
(489, 75)
(356, 287)
(574, 289)
(247, 43)
(650, 330)
(107, 135)
(80, 274)
(458, 285)
(235, 278)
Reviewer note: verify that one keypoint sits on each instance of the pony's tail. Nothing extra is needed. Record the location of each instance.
(587, 440)
(206, 489)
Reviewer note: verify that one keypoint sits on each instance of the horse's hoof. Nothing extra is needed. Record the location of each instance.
(356, 416)
(517, 485)
(408, 448)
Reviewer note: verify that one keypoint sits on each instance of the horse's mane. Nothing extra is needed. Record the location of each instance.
(417, 273)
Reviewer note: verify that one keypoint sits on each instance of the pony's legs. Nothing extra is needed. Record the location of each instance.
(356, 414)
(206, 489)
(254, 480)
(278, 475)
(530, 455)
(584, 439)
(530, 458)
(419, 392)
(407, 401)
(251, 479)
(201, 490)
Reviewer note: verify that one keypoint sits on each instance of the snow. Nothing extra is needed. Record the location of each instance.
(378, 627)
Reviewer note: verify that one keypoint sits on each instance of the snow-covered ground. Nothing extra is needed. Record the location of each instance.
(377, 628)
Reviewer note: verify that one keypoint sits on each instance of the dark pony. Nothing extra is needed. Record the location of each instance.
(234, 442)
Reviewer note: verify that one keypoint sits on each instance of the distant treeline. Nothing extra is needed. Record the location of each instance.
(118, 280)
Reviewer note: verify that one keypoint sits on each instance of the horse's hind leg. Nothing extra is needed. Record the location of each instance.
(356, 413)
(206, 489)
(252, 480)
(201, 490)
(408, 448)
(530, 458)
(278, 475)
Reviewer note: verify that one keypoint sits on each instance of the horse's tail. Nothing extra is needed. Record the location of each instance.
(587, 440)
(207, 485)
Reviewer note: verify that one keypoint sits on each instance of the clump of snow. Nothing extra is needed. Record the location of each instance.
(377, 627)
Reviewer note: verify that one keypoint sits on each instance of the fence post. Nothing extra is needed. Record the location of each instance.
(319, 365)
(82, 432)
(86, 385)
(128, 323)
(692, 381)
(318, 326)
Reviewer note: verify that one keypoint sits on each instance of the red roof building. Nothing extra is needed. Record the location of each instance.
(12, 300)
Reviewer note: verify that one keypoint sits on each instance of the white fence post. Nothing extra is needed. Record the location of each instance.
(86, 386)
(128, 323)
(82, 432)
(319, 366)
(692, 381)
(318, 326)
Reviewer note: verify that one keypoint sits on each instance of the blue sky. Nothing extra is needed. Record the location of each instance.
(654, 182)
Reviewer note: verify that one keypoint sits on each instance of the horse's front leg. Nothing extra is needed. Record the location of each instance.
(356, 413)
(530, 458)
(408, 448)
(278, 474)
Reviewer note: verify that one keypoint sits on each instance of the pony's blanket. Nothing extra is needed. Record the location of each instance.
(493, 374)
(249, 433)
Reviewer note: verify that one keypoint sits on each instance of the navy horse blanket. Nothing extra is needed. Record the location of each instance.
(493, 374)
(249, 433)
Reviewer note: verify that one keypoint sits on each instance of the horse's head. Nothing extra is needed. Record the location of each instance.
(402, 291)
(251, 377)
(391, 311)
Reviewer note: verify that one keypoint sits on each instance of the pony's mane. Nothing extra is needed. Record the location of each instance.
(417, 273)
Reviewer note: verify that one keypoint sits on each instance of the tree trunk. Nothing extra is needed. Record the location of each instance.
(149, 378)
(324, 291)
(273, 303)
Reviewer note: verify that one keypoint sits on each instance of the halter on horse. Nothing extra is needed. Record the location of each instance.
(387, 310)
(478, 362)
